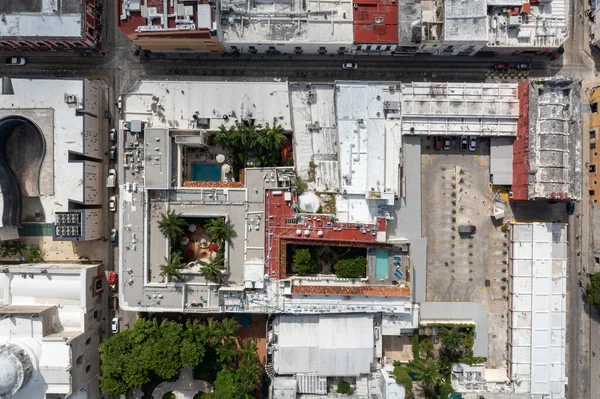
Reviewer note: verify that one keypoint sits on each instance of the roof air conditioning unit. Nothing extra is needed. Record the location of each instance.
(70, 98)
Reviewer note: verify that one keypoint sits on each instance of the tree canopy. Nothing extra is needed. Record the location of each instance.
(214, 270)
(171, 225)
(153, 349)
(304, 261)
(592, 290)
(350, 267)
(220, 230)
(171, 269)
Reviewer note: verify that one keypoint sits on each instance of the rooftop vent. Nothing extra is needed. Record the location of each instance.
(70, 98)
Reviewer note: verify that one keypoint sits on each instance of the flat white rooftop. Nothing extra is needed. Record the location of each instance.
(311, 21)
(490, 109)
(538, 308)
(545, 26)
(41, 18)
(65, 131)
(180, 105)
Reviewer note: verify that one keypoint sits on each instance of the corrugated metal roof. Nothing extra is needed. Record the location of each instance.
(439, 311)
(501, 160)
(340, 345)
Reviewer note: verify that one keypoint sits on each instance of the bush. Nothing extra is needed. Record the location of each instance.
(344, 388)
(592, 290)
(304, 261)
(169, 395)
(350, 268)
(402, 377)
(415, 346)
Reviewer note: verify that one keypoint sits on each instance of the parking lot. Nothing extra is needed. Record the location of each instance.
(465, 267)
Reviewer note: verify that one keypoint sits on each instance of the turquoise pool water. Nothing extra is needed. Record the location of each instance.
(206, 172)
(381, 263)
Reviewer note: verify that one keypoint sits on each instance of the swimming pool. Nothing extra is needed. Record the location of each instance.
(381, 263)
(206, 172)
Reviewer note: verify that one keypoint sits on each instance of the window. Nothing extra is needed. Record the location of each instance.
(592, 146)
(593, 168)
(322, 50)
(79, 360)
(88, 341)
(595, 201)
(95, 314)
(594, 107)
(595, 182)
(593, 134)
(88, 368)
(434, 46)
(233, 48)
(595, 154)
(592, 192)
(42, 45)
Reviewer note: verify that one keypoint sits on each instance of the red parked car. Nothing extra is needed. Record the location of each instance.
(438, 143)
(112, 278)
(502, 67)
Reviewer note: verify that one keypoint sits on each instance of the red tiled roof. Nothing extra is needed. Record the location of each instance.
(376, 21)
(520, 186)
(368, 290)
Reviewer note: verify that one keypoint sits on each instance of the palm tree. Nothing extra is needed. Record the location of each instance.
(268, 145)
(171, 269)
(212, 271)
(171, 225)
(452, 339)
(220, 230)
(426, 372)
(229, 328)
(248, 373)
(248, 350)
(227, 352)
(212, 331)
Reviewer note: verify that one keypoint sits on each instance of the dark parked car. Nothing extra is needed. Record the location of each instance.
(114, 237)
(112, 153)
(467, 229)
(438, 143)
(464, 143)
(570, 208)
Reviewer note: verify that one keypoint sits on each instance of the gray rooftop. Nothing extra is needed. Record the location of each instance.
(465, 21)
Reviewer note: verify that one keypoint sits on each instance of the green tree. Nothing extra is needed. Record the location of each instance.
(592, 290)
(452, 339)
(344, 388)
(220, 230)
(427, 373)
(402, 378)
(18, 247)
(268, 145)
(304, 261)
(248, 350)
(192, 344)
(215, 269)
(171, 225)
(171, 269)
(33, 254)
(225, 386)
(227, 352)
(350, 267)
(426, 349)
(444, 389)
(229, 328)
(248, 374)
(213, 332)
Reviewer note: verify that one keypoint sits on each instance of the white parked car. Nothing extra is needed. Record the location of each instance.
(113, 135)
(114, 325)
(349, 65)
(112, 203)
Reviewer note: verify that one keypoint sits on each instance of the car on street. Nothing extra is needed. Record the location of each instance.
(112, 134)
(472, 143)
(112, 203)
(114, 325)
(502, 67)
(349, 65)
(112, 278)
(114, 237)
(523, 66)
(570, 208)
(464, 143)
(16, 61)
(446, 143)
(438, 143)
(120, 102)
(112, 153)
